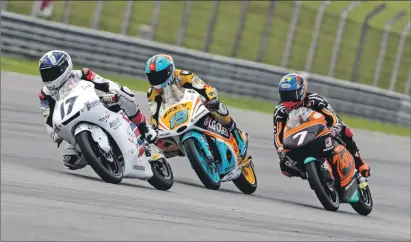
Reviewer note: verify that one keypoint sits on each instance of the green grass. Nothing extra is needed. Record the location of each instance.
(30, 67)
(227, 22)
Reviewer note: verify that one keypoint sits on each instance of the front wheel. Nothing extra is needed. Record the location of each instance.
(205, 170)
(329, 200)
(109, 171)
(365, 204)
(163, 178)
(247, 181)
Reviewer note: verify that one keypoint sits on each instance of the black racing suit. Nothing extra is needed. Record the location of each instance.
(317, 103)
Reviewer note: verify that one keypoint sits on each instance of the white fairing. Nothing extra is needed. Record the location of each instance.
(79, 101)
(174, 96)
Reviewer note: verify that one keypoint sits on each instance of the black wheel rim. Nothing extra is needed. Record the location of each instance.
(162, 168)
(330, 191)
(112, 167)
(365, 196)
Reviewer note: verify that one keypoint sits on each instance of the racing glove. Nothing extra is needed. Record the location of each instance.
(213, 105)
(57, 139)
(150, 135)
(336, 129)
(281, 154)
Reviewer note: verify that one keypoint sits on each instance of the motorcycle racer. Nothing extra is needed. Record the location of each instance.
(293, 94)
(55, 69)
(161, 72)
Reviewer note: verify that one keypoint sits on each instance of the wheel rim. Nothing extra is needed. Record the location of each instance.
(112, 167)
(330, 191)
(209, 167)
(162, 168)
(365, 196)
(248, 174)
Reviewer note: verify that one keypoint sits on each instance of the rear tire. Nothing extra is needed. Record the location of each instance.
(243, 184)
(319, 190)
(159, 180)
(365, 204)
(89, 148)
(191, 152)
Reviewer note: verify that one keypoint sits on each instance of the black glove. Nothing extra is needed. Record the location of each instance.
(213, 105)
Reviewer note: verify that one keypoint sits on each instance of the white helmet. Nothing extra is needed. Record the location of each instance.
(55, 68)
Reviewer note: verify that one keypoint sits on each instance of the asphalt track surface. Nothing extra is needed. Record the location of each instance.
(41, 200)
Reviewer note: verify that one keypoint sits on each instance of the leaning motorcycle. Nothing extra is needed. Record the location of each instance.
(325, 162)
(110, 143)
(184, 122)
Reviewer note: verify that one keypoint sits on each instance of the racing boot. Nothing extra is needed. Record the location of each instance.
(240, 137)
(221, 113)
(72, 159)
(352, 147)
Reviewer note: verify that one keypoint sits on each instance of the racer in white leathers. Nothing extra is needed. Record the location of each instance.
(55, 68)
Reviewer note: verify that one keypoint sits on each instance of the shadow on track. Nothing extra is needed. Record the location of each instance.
(123, 183)
(272, 199)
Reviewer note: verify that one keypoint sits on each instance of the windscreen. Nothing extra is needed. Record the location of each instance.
(298, 117)
(67, 87)
(172, 94)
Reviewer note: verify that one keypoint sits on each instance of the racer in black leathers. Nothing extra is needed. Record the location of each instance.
(293, 94)
(55, 68)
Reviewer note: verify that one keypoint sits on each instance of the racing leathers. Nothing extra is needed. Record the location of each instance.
(317, 103)
(109, 92)
(188, 80)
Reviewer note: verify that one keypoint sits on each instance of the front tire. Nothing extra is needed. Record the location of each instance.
(163, 178)
(365, 204)
(319, 190)
(113, 173)
(247, 181)
(205, 171)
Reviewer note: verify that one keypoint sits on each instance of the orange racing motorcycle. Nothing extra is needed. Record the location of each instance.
(325, 162)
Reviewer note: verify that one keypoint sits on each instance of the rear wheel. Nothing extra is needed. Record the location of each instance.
(365, 204)
(247, 181)
(205, 170)
(328, 196)
(163, 178)
(109, 169)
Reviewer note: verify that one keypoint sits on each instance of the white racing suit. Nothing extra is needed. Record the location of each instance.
(105, 88)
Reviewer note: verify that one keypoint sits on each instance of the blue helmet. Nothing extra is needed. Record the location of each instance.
(55, 68)
(292, 90)
(160, 70)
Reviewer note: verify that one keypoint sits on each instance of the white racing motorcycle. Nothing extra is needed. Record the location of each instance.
(108, 140)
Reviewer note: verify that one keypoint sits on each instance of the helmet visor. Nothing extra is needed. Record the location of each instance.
(159, 77)
(51, 74)
(289, 96)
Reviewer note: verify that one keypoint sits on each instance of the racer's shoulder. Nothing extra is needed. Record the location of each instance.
(44, 93)
(313, 100)
(280, 111)
(183, 76)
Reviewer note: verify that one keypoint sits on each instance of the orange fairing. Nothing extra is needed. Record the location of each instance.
(314, 119)
(344, 164)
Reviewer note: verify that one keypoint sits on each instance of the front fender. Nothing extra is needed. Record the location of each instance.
(308, 160)
(97, 133)
(201, 139)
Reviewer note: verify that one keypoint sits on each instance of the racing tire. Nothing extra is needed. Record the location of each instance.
(191, 146)
(247, 183)
(89, 148)
(159, 180)
(365, 204)
(317, 186)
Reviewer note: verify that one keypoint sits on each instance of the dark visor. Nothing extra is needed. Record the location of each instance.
(159, 77)
(53, 73)
(289, 96)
